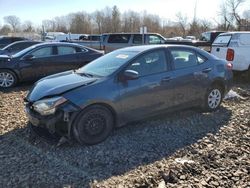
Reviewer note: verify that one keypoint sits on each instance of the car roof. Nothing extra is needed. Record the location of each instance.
(57, 43)
(132, 33)
(26, 41)
(235, 32)
(143, 48)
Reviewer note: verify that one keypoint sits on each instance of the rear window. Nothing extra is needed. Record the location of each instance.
(120, 38)
(222, 40)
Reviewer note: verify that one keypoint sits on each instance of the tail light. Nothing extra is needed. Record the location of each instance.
(230, 54)
(229, 66)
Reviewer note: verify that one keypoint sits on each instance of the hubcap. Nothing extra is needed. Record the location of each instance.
(214, 98)
(95, 125)
(6, 79)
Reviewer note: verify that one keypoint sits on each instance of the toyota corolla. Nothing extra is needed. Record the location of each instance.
(126, 85)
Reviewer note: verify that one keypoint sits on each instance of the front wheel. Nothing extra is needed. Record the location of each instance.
(213, 98)
(93, 125)
(7, 79)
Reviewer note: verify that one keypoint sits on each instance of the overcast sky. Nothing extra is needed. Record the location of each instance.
(38, 10)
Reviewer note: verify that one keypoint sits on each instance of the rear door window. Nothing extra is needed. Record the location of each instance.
(185, 58)
(119, 38)
(65, 50)
(149, 63)
(222, 40)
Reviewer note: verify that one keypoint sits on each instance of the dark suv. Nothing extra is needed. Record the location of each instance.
(4, 41)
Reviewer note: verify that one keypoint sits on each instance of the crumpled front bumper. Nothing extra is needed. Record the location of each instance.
(59, 123)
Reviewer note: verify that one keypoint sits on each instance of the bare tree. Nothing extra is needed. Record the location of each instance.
(230, 15)
(116, 19)
(182, 22)
(27, 26)
(131, 21)
(233, 6)
(152, 22)
(12, 20)
(98, 17)
(49, 25)
(5, 30)
(80, 23)
(62, 24)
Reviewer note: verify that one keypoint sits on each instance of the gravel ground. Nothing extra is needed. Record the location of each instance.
(182, 149)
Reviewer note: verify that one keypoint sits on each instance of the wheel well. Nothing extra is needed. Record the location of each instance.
(220, 84)
(13, 72)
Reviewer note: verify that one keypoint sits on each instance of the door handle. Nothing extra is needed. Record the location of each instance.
(167, 79)
(217, 49)
(207, 70)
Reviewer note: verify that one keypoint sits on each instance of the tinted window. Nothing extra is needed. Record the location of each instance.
(205, 36)
(119, 38)
(185, 58)
(64, 50)
(43, 52)
(137, 39)
(150, 63)
(155, 39)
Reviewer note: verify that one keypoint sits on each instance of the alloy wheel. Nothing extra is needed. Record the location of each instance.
(214, 98)
(6, 79)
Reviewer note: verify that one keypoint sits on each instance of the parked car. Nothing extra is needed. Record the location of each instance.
(235, 48)
(5, 40)
(115, 41)
(126, 85)
(16, 47)
(92, 41)
(41, 60)
(210, 36)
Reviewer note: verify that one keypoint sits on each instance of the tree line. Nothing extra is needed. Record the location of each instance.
(110, 19)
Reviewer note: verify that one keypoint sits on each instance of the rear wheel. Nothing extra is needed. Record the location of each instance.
(213, 98)
(7, 79)
(93, 125)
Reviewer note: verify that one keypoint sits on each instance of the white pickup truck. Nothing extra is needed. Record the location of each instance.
(235, 48)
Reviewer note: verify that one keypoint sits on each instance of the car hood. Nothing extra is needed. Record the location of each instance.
(57, 84)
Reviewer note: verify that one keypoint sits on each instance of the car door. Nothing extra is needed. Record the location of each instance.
(116, 41)
(85, 56)
(152, 91)
(38, 63)
(66, 58)
(191, 75)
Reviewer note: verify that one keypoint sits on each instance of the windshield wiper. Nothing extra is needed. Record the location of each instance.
(84, 74)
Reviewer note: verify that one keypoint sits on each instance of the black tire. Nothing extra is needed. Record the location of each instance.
(213, 98)
(248, 75)
(93, 125)
(7, 78)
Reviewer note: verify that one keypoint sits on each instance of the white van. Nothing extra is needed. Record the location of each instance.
(235, 48)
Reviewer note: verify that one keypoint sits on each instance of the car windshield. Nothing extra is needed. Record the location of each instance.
(107, 64)
(24, 51)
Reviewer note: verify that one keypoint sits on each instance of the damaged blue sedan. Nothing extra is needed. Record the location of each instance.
(127, 85)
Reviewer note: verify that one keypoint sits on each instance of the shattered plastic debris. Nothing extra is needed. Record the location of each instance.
(182, 161)
(232, 94)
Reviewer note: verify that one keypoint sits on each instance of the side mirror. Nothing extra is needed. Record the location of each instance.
(130, 75)
(28, 57)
